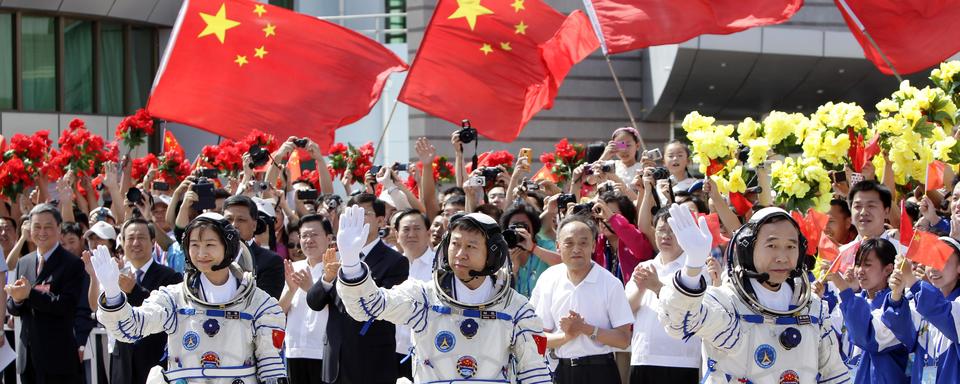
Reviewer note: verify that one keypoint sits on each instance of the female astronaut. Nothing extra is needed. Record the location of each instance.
(468, 323)
(221, 327)
(762, 325)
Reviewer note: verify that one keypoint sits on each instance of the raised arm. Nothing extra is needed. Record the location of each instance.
(428, 187)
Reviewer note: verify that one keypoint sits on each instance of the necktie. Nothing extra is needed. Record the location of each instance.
(139, 276)
(39, 264)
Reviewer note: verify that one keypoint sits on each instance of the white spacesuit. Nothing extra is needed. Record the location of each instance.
(232, 342)
(744, 339)
(498, 340)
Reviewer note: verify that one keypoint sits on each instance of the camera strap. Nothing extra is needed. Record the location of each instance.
(473, 159)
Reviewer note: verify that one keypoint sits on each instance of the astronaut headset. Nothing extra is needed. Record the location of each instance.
(740, 266)
(223, 228)
(497, 257)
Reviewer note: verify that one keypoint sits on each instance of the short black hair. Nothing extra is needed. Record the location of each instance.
(627, 208)
(139, 220)
(12, 221)
(886, 197)
(47, 208)
(454, 190)
(662, 214)
(842, 204)
(407, 212)
(71, 228)
(221, 193)
(379, 207)
(522, 209)
(489, 210)
(885, 250)
(313, 217)
(456, 200)
(242, 201)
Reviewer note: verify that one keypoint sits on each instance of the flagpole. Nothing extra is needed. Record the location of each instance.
(623, 97)
(386, 126)
(863, 29)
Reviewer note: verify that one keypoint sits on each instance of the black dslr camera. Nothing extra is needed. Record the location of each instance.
(564, 199)
(660, 173)
(466, 132)
(300, 143)
(258, 156)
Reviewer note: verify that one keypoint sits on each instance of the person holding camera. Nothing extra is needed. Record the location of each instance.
(468, 324)
(623, 149)
(585, 314)
(676, 158)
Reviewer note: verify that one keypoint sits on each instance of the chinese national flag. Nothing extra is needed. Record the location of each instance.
(914, 34)
(170, 143)
(496, 63)
(828, 250)
(237, 65)
(934, 175)
(293, 165)
(906, 225)
(928, 250)
(633, 24)
(846, 259)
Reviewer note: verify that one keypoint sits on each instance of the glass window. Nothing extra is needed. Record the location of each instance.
(142, 68)
(38, 59)
(288, 4)
(78, 63)
(6, 61)
(396, 22)
(111, 69)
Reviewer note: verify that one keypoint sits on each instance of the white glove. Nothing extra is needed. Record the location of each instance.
(694, 240)
(351, 237)
(108, 273)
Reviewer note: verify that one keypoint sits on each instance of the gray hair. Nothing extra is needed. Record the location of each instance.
(47, 208)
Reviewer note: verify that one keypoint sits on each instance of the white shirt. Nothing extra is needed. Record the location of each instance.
(144, 268)
(216, 294)
(469, 296)
(306, 328)
(682, 185)
(779, 300)
(421, 269)
(367, 248)
(599, 299)
(626, 173)
(651, 345)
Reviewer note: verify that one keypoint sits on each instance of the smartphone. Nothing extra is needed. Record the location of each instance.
(307, 195)
(838, 176)
(206, 198)
(528, 153)
(160, 186)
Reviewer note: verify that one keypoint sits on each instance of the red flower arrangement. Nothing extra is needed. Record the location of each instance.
(134, 129)
(140, 166)
(493, 159)
(264, 140)
(227, 157)
(338, 160)
(81, 151)
(14, 177)
(359, 160)
(443, 172)
(23, 161)
(173, 168)
(565, 158)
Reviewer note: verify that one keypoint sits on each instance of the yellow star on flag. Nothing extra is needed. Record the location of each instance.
(505, 46)
(217, 24)
(270, 30)
(241, 60)
(486, 49)
(517, 5)
(259, 10)
(470, 9)
(260, 52)
(520, 29)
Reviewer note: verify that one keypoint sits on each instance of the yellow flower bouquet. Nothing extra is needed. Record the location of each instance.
(947, 78)
(714, 147)
(835, 135)
(801, 183)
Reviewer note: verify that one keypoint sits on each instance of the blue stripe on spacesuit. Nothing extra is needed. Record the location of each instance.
(419, 313)
(822, 381)
(171, 315)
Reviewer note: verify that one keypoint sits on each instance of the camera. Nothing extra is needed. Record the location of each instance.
(160, 186)
(531, 185)
(583, 208)
(606, 188)
(402, 167)
(205, 197)
(383, 232)
(258, 156)
(607, 167)
(308, 195)
(260, 186)
(332, 201)
(301, 142)
(374, 169)
(475, 181)
(490, 173)
(512, 237)
(564, 199)
(134, 195)
(660, 173)
(838, 176)
(467, 133)
(653, 154)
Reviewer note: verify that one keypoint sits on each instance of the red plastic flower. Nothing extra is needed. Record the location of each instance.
(134, 129)
(83, 152)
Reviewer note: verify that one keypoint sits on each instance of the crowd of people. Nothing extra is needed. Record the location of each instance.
(634, 270)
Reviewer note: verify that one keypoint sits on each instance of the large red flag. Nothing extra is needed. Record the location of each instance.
(928, 250)
(237, 65)
(914, 34)
(906, 225)
(496, 63)
(633, 24)
(935, 175)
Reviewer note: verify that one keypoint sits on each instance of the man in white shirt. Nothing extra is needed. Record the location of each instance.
(306, 329)
(412, 233)
(584, 311)
(656, 357)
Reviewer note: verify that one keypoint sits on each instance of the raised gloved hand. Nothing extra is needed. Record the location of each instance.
(351, 238)
(108, 273)
(695, 240)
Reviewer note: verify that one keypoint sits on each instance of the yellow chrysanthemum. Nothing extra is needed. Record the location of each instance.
(910, 110)
(694, 121)
(759, 150)
(748, 129)
(942, 148)
(893, 126)
(886, 107)
(946, 72)
(906, 91)
(777, 126)
(840, 116)
(737, 184)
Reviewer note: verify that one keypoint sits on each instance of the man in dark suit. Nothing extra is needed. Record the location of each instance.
(242, 212)
(45, 298)
(348, 356)
(130, 363)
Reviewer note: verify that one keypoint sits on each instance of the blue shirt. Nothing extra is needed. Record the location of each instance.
(877, 364)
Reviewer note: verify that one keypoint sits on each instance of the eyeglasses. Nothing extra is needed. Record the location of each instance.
(309, 235)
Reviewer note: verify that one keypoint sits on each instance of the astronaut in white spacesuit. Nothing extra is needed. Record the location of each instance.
(222, 328)
(468, 324)
(762, 325)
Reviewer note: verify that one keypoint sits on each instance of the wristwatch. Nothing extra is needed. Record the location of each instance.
(593, 336)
